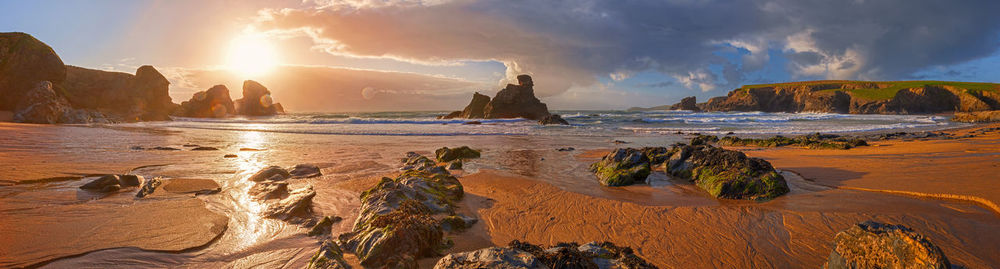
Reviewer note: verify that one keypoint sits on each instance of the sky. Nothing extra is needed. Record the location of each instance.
(371, 55)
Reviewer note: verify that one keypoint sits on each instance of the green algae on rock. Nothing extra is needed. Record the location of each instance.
(811, 141)
(726, 173)
(563, 255)
(622, 167)
(879, 245)
(446, 154)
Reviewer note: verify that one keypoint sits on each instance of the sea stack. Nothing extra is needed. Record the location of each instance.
(514, 101)
(216, 103)
(256, 101)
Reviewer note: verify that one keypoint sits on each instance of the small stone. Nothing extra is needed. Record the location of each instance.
(230, 156)
(204, 148)
(305, 171)
(270, 173)
(148, 187)
(129, 180)
(101, 183)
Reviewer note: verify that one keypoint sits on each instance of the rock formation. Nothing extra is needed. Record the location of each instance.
(859, 97)
(978, 117)
(514, 101)
(212, 103)
(878, 245)
(446, 154)
(90, 95)
(688, 103)
(43, 105)
(722, 173)
(280, 202)
(563, 255)
(256, 101)
(553, 119)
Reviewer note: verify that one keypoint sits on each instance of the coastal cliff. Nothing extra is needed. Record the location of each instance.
(854, 97)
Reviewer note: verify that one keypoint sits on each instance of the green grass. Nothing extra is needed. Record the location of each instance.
(886, 92)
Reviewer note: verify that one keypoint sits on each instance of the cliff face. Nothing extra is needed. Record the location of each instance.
(26, 62)
(912, 97)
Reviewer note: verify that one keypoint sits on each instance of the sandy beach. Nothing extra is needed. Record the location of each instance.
(521, 188)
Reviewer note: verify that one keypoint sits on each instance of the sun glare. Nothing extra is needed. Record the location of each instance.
(252, 56)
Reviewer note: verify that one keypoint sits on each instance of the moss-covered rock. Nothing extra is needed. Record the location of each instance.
(811, 141)
(878, 245)
(329, 256)
(727, 173)
(621, 167)
(446, 154)
(324, 226)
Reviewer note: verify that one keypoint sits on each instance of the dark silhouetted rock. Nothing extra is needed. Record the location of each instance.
(204, 148)
(688, 103)
(103, 184)
(553, 119)
(24, 63)
(256, 101)
(878, 245)
(212, 103)
(475, 110)
(230, 156)
(517, 101)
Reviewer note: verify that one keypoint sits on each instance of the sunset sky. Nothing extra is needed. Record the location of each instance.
(358, 55)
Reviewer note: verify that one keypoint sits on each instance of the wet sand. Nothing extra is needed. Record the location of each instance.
(522, 188)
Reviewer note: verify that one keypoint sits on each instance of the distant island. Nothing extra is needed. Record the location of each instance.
(852, 97)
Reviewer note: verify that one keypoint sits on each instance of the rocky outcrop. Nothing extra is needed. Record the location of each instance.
(475, 110)
(553, 119)
(811, 141)
(89, 95)
(446, 154)
(722, 173)
(24, 63)
(122, 96)
(112, 183)
(878, 245)
(43, 105)
(688, 103)
(256, 101)
(858, 97)
(563, 255)
(212, 103)
(398, 222)
(280, 202)
(305, 171)
(514, 101)
(978, 117)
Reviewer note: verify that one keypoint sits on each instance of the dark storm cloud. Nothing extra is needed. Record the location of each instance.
(574, 43)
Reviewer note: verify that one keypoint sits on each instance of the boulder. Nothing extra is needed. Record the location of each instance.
(491, 257)
(726, 173)
(268, 190)
(879, 245)
(148, 187)
(329, 256)
(517, 101)
(553, 119)
(621, 167)
(305, 170)
(105, 183)
(256, 101)
(212, 103)
(197, 186)
(296, 204)
(129, 180)
(272, 173)
(688, 103)
(24, 63)
(324, 226)
(446, 154)
(42, 105)
(475, 110)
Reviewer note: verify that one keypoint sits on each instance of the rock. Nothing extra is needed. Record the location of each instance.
(42, 105)
(491, 257)
(230, 156)
(704, 140)
(455, 165)
(297, 203)
(726, 173)
(270, 173)
(269, 190)
(553, 119)
(622, 167)
(446, 154)
(572, 255)
(688, 103)
(475, 122)
(395, 226)
(475, 110)
(197, 186)
(148, 187)
(305, 171)
(204, 148)
(164, 148)
(212, 103)
(105, 183)
(978, 117)
(250, 149)
(329, 256)
(517, 101)
(566, 149)
(129, 180)
(324, 226)
(811, 141)
(256, 101)
(26, 63)
(878, 245)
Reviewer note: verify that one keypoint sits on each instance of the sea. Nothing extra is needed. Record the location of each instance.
(581, 123)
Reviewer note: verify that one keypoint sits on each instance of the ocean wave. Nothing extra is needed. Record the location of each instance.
(349, 120)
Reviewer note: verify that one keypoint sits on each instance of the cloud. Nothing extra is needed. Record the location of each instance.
(573, 43)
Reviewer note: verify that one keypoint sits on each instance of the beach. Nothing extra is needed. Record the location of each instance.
(521, 188)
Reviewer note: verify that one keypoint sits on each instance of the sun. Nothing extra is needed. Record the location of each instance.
(252, 56)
